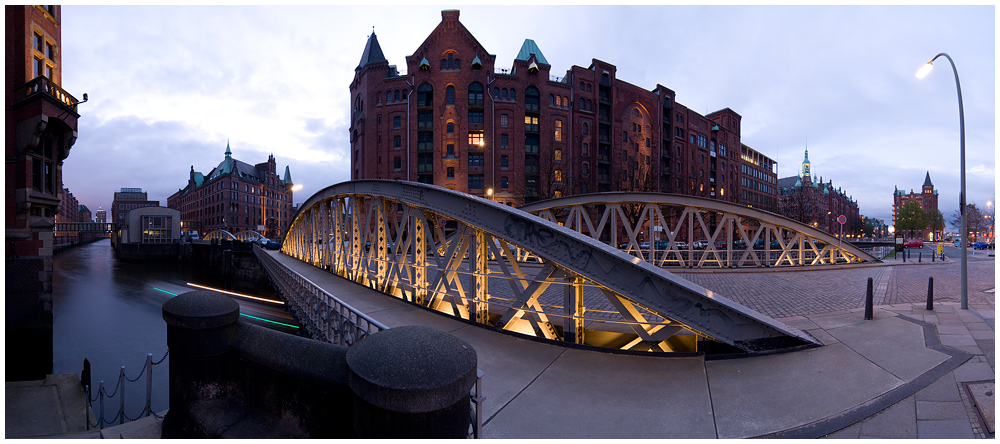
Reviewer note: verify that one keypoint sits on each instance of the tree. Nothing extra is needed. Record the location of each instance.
(935, 220)
(974, 216)
(911, 217)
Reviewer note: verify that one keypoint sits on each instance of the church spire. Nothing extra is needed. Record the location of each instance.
(228, 151)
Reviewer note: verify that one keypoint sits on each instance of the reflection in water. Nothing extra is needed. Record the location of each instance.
(110, 313)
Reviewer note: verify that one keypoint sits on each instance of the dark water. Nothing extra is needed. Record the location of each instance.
(110, 313)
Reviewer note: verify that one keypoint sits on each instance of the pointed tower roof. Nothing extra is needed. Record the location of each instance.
(527, 49)
(287, 180)
(927, 180)
(228, 152)
(372, 53)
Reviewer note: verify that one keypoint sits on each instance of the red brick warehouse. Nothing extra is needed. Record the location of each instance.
(454, 119)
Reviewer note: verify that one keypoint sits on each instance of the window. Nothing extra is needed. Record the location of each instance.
(624, 136)
(531, 99)
(475, 117)
(647, 142)
(397, 142)
(503, 183)
(557, 175)
(156, 229)
(585, 169)
(425, 95)
(557, 155)
(531, 124)
(396, 122)
(397, 163)
(475, 159)
(586, 128)
(450, 150)
(504, 120)
(585, 149)
(503, 162)
(476, 95)
(504, 141)
(693, 139)
(449, 95)
(496, 93)
(476, 138)
(504, 94)
(475, 181)
(551, 100)
(451, 172)
(513, 95)
(701, 141)
(558, 131)
(451, 127)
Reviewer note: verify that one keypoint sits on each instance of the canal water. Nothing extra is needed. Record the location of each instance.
(109, 312)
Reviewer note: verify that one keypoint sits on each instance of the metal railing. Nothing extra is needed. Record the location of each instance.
(43, 85)
(119, 391)
(324, 316)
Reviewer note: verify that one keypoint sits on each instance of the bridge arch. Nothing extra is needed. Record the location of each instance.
(248, 236)
(453, 252)
(220, 235)
(663, 229)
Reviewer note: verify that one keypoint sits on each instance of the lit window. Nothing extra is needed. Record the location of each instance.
(558, 175)
(558, 133)
(476, 138)
(557, 155)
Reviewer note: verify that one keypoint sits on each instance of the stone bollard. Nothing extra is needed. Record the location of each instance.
(411, 382)
(200, 325)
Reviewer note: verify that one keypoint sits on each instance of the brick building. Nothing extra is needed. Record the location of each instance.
(456, 119)
(928, 200)
(40, 128)
(70, 209)
(129, 199)
(817, 203)
(236, 196)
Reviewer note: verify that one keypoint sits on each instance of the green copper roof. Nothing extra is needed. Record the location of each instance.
(527, 49)
(288, 176)
(807, 158)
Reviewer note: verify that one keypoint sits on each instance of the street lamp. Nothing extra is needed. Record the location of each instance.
(921, 73)
(489, 192)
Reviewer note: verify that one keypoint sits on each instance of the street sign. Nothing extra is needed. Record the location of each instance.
(842, 219)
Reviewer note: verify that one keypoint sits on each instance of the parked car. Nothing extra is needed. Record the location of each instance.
(980, 245)
(680, 245)
(720, 245)
(956, 243)
(700, 245)
(644, 246)
(914, 243)
(662, 245)
(272, 245)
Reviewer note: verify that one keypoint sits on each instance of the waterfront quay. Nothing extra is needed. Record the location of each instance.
(907, 373)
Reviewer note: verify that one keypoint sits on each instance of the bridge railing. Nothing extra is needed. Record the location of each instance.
(325, 316)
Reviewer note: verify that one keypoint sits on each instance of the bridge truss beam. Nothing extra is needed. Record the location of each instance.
(507, 269)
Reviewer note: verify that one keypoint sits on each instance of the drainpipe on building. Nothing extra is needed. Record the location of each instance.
(408, 130)
(493, 136)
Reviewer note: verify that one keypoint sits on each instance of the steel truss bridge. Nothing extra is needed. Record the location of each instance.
(509, 270)
(244, 236)
(733, 235)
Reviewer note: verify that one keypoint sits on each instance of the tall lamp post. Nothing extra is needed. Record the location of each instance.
(921, 73)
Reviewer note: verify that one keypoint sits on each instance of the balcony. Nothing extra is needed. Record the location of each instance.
(43, 87)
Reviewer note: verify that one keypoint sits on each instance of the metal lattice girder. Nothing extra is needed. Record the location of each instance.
(219, 234)
(420, 242)
(688, 219)
(247, 236)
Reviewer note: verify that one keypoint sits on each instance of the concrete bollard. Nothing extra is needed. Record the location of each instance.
(920, 257)
(869, 301)
(199, 329)
(411, 382)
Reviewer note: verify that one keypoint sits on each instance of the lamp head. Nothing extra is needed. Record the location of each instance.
(924, 70)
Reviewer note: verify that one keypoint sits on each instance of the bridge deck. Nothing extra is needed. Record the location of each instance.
(538, 390)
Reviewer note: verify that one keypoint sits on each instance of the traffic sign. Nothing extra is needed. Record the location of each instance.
(842, 219)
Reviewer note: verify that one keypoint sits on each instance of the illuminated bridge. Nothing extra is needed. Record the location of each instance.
(509, 270)
(244, 236)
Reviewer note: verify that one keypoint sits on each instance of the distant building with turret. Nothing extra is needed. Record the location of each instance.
(928, 200)
(236, 196)
(817, 203)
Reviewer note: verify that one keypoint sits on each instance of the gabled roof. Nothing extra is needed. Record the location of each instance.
(372, 53)
(527, 49)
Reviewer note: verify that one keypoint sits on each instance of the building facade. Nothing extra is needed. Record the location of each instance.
(101, 216)
(70, 209)
(928, 200)
(817, 203)
(517, 135)
(40, 129)
(759, 180)
(236, 196)
(129, 199)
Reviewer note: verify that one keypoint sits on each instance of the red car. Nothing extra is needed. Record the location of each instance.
(914, 243)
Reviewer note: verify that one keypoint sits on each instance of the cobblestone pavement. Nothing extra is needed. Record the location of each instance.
(787, 292)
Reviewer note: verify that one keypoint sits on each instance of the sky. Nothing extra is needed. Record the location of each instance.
(170, 86)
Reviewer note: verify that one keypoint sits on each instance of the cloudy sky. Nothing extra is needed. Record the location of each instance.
(169, 86)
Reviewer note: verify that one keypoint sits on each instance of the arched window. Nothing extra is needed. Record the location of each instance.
(531, 99)
(496, 93)
(449, 95)
(403, 95)
(451, 127)
(444, 64)
(476, 95)
(388, 97)
(378, 99)
(586, 128)
(425, 95)
(552, 100)
(451, 61)
(513, 95)
(395, 96)
(504, 94)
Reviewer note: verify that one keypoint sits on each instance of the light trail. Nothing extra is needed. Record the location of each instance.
(236, 294)
(241, 314)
